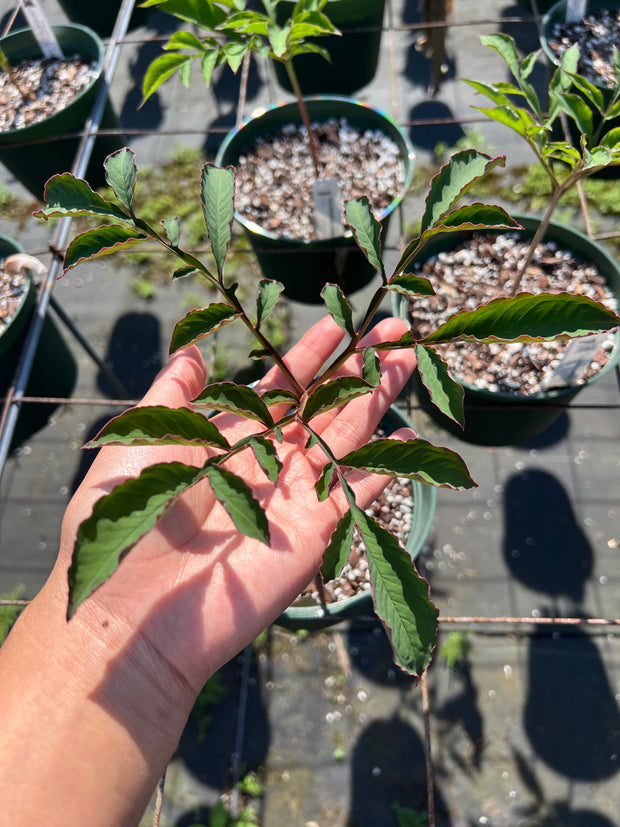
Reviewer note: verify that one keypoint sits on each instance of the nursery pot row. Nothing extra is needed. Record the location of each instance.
(35, 152)
(305, 266)
(54, 370)
(495, 417)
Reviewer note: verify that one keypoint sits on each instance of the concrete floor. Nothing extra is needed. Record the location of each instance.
(525, 729)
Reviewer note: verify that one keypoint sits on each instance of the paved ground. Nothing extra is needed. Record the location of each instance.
(525, 727)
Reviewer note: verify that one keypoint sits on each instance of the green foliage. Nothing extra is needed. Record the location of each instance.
(121, 517)
(518, 107)
(454, 649)
(9, 614)
(251, 786)
(407, 817)
(233, 30)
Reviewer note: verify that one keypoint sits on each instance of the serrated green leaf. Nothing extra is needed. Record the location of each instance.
(184, 40)
(199, 323)
(121, 174)
(576, 108)
(119, 520)
(339, 547)
(208, 62)
(371, 367)
(266, 456)
(445, 393)
(279, 395)
(401, 597)
(414, 459)
(333, 394)
(366, 231)
(236, 497)
(217, 196)
(410, 285)
(184, 272)
(338, 307)
(516, 119)
(67, 195)
(593, 93)
(527, 318)
(238, 399)
(172, 228)
(234, 53)
(259, 353)
(453, 180)
(324, 482)
(101, 241)
(160, 70)
(268, 294)
(159, 425)
(611, 140)
(206, 15)
(505, 46)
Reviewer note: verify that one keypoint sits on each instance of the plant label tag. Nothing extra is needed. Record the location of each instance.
(577, 356)
(575, 10)
(327, 208)
(41, 29)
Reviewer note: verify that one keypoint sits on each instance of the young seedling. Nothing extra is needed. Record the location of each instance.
(570, 95)
(234, 31)
(401, 596)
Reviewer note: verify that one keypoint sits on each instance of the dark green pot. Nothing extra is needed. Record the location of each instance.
(100, 17)
(496, 418)
(54, 369)
(354, 55)
(305, 267)
(424, 499)
(36, 152)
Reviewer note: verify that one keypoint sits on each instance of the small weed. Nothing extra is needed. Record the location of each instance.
(407, 817)
(144, 289)
(251, 786)
(455, 648)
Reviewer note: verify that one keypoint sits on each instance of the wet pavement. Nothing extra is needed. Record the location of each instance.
(524, 727)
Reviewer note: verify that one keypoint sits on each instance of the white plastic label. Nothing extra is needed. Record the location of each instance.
(41, 29)
(327, 208)
(575, 10)
(576, 359)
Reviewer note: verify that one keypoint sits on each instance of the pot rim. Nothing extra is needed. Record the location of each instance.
(57, 28)
(5, 332)
(399, 308)
(408, 161)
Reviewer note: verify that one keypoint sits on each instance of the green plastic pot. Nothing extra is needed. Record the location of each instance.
(36, 152)
(424, 500)
(305, 266)
(54, 369)
(354, 55)
(497, 418)
(100, 17)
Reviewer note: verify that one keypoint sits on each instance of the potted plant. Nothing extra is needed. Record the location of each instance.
(303, 255)
(499, 415)
(353, 57)
(21, 145)
(400, 596)
(596, 36)
(54, 370)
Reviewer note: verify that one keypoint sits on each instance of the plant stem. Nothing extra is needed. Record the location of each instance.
(303, 111)
(542, 228)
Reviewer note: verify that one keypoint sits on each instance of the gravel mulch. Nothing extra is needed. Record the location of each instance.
(483, 269)
(44, 87)
(596, 36)
(275, 179)
(12, 289)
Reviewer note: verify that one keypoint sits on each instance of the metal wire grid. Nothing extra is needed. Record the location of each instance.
(16, 395)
